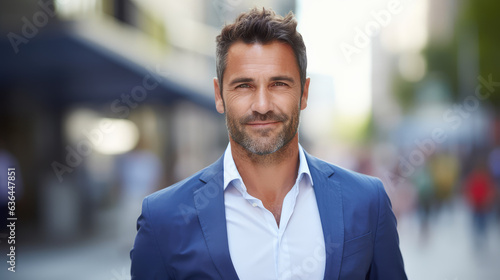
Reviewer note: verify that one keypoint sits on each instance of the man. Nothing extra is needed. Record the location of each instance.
(266, 209)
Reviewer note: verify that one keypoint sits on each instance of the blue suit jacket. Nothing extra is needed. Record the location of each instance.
(182, 229)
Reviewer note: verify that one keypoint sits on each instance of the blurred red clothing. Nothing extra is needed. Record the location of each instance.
(479, 190)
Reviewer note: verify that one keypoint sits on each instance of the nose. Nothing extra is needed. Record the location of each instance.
(262, 101)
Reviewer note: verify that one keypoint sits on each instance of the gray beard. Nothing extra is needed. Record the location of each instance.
(263, 144)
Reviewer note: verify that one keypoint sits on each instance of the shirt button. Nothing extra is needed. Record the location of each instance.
(254, 204)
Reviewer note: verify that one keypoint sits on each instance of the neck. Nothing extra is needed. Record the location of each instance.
(268, 177)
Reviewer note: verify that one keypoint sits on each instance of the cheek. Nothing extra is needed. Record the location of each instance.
(237, 105)
(289, 103)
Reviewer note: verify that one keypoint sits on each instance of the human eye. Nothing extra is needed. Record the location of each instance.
(243, 86)
(279, 84)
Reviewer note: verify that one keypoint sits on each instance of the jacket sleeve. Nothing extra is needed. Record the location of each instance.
(147, 261)
(387, 261)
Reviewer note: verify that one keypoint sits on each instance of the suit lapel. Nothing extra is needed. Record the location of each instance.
(209, 203)
(329, 199)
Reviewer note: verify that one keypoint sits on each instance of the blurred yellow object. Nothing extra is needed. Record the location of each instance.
(444, 170)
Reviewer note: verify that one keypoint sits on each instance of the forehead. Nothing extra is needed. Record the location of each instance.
(255, 58)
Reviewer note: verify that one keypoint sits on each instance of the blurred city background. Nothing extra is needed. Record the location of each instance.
(104, 102)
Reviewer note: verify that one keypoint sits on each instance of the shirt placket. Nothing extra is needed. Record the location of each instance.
(281, 253)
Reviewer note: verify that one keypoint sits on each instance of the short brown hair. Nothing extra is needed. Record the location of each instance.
(261, 26)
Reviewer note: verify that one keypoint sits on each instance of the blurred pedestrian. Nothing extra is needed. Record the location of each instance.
(480, 194)
(494, 166)
(445, 169)
(422, 180)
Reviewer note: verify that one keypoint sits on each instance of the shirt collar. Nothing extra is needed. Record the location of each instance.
(231, 173)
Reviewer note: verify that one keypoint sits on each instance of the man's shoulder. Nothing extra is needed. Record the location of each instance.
(348, 178)
(182, 191)
(359, 192)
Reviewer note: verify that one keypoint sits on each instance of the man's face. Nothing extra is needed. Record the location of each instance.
(261, 96)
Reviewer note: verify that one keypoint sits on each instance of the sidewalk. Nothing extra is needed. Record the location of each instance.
(449, 252)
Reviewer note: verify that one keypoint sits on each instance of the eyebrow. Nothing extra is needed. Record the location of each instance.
(240, 80)
(275, 78)
(283, 78)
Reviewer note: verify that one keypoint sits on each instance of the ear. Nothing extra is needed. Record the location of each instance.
(219, 103)
(305, 95)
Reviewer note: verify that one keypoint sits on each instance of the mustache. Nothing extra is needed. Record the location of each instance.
(269, 116)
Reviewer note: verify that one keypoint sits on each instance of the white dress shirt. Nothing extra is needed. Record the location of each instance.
(259, 249)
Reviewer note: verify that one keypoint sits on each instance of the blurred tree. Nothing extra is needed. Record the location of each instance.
(473, 49)
(485, 14)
